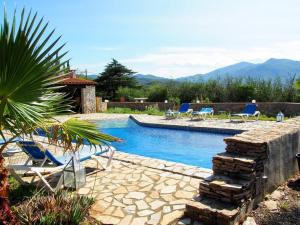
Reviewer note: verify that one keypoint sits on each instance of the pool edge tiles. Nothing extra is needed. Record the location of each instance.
(164, 165)
(215, 130)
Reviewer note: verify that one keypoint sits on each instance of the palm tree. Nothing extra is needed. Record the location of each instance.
(30, 62)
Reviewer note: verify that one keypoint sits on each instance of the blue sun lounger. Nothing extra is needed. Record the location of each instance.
(184, 108)
(203, 113)
(41, 157)
(249, 110)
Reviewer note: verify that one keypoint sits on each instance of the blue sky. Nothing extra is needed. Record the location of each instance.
(171, 38)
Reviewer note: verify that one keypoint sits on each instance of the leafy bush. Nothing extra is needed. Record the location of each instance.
(61, 208)
(123, 110)
(157, 93)
(219, 90)
(19, 193)
(153, 110)
(130, 93)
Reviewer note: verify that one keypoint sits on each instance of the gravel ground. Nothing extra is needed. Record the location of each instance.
(282, 207)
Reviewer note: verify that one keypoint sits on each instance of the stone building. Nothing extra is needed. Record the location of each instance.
(81, 91)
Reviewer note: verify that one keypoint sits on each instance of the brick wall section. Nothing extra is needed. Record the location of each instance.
(268, 108)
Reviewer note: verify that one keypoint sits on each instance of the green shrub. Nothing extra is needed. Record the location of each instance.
(157, 93)
(153, 110)
(60, 208)
(226, 89)
(19, 193)
(123, 111)
(130, 93)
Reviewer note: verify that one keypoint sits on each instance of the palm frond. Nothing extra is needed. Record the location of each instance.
(73, 133)
(30, 69)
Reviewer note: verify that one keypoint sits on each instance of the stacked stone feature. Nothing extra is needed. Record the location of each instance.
(243, 173)
(227, 195)
(237, 172)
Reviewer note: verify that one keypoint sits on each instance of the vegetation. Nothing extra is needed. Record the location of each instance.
(297, 86)
(226, 90)
(114, 76)
(29, 68)
(153, 110)
(150, 111)
(59, 208)
(18, 193)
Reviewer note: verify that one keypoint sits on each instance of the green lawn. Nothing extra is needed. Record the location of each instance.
(155, 111)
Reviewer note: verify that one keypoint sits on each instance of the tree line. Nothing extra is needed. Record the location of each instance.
(118, 82)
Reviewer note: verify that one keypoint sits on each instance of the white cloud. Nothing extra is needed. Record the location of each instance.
(179, 61)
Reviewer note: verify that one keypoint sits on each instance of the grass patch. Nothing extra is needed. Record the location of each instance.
(153, 110)
(261, 117)
(285, 207)
(150, 111)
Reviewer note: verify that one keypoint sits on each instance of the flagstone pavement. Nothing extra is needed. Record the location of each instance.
(129, 193)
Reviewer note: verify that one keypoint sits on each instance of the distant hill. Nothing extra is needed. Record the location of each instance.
(270, 69)
(92, 76)
(148, 79)
(141, 78)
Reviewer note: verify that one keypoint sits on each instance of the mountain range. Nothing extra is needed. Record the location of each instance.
(270, 69)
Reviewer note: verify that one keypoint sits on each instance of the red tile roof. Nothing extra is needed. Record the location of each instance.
(77, 81)
(71, 78)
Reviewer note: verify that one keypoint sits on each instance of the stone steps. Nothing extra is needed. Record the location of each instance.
(226, 189)
(236, 166)
(214, 212)
(245, 149)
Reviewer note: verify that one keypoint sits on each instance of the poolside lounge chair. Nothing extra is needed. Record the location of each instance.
(41, 157)
(184, 108)
(203, 113)
(249, 110)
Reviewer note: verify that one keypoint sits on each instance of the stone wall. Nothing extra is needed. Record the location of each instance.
(88, 99)
(255, 163)
(269, 156)
(268, 108)
(100, 106)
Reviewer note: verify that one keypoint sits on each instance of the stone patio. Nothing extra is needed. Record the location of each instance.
(133, 194)
(218, 125)
(181, 122)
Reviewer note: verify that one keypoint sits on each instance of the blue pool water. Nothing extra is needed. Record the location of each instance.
(189, 147)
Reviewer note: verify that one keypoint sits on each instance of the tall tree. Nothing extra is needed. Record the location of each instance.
(297, 86)
(114, 76)
(29, 68)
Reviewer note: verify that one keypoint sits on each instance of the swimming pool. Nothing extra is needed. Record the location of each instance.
(188, 147)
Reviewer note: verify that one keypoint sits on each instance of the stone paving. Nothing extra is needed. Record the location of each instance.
(177, 168)
(150, 119)
(208, 123)
(133, 194)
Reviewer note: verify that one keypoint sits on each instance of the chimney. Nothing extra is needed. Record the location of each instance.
(72, 74)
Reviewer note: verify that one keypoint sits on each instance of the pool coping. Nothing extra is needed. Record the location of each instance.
(163, 165)
(188, 128)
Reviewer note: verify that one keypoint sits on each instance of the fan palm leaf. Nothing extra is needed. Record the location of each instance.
(30, 64)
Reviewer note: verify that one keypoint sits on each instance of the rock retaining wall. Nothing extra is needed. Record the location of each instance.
(254, 164)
